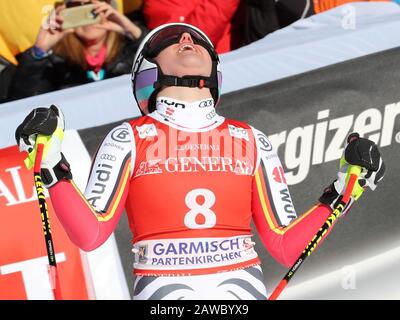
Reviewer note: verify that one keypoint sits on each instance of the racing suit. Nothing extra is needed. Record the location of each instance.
(191, 182)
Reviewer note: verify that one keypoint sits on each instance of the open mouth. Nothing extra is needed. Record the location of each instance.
(186, 47)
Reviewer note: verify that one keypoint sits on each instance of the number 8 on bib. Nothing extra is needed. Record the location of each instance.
(196, 209)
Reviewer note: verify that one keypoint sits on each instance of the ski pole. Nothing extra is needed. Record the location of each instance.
(354, 172)
(53, 275)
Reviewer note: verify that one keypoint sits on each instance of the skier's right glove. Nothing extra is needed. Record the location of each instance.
(360, 152)
(48, 122)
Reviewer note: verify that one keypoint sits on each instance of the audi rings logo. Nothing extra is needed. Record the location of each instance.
(211, 115)
(109, 157)
(206, 103)
(120, 135)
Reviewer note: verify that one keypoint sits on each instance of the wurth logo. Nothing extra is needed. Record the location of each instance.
(279, 175)
(287, 204)
(169, 111)
(324, 141)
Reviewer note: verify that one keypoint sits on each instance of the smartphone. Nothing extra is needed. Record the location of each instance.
(79, 16)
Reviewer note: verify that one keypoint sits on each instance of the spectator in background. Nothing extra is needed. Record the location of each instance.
(20, 20)
(7, 70)
(221, 20)
(65, 58)
(265, 16)
(260, 19)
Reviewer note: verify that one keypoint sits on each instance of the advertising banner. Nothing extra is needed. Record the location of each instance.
(23, 259)
(307, 119)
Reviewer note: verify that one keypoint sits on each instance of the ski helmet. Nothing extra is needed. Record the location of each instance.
(147, 76)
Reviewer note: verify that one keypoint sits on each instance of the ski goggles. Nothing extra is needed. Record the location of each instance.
(172, 35)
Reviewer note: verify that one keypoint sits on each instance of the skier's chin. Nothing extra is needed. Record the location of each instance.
(193, 66)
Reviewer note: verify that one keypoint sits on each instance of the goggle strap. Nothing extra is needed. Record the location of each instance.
(186, 81)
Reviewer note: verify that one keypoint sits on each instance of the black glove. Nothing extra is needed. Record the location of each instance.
(48, 122)
(361, 152)
(364, 153)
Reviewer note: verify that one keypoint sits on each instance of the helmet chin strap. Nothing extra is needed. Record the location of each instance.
(190, 81)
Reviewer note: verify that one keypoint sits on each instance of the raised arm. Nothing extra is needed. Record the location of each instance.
(89, 218)
(283, 234)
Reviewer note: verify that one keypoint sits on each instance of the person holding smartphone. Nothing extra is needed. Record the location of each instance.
(65, 57)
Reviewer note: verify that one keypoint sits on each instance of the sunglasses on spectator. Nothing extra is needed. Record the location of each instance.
(171, 35)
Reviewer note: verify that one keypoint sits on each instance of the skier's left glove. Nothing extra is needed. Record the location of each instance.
(47, 122)
(361, 152)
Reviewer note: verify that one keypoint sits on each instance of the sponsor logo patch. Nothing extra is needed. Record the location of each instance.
(206, 103)
(237, 132)
(265, 144)
(279, 175)
(109, 157)
(120, 135)
(146, 130)
(142, 253)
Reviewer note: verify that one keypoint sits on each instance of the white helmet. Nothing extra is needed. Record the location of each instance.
(147, 76)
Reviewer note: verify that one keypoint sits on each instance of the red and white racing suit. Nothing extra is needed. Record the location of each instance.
(191, 181)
